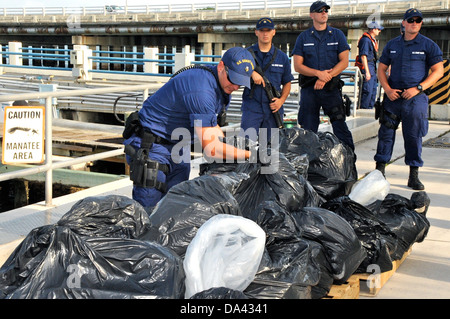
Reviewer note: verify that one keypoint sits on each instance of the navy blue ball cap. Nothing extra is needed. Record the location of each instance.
(318, 5)
(265, 23)
(374, 25)
(240, 65)
(412, 13)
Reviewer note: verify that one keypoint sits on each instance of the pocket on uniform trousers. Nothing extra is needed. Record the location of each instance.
(423, 130)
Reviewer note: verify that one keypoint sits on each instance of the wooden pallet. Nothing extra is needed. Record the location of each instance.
(364, 284)
(371, 284)
(348, 290)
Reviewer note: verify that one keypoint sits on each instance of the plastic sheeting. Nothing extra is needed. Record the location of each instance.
(371, 188)
(225, 252)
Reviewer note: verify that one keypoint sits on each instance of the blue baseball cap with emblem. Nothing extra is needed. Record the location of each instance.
(240, 64)
(410, 13)
(265, 23)
(374, 25)
(318, 5)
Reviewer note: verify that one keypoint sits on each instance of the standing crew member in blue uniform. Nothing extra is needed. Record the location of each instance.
(411, 56)
(366, 61)
(188, 103)
(257, 110)
(321, 53)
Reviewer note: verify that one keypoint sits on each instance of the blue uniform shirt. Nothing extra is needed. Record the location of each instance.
(321, 53)
(365, 47)
(192, 95)
(410, 61)
(279, 73)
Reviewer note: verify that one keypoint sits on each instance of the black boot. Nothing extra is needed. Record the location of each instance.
(381, 166)
(413, 180)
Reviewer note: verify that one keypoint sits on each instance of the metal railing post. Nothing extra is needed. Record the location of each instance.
(48, 150)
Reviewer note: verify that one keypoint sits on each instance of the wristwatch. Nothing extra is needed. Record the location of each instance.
(420, 88)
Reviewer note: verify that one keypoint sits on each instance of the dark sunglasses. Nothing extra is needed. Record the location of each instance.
(322, 10)
(228, 76)
(414, 19)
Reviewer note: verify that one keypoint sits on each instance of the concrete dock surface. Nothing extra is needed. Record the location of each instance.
(425, 273)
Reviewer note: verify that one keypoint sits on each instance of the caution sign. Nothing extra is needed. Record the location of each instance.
(23, 135)
(440, 91)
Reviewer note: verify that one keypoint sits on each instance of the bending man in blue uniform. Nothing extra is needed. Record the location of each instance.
(188, 103)
(320, 55)
(411, 56)
(366, 61)
(257, 110)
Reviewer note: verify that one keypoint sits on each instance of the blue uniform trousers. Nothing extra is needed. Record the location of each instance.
(309, 113)
(414, 117)
(369, 90)
(258, 121)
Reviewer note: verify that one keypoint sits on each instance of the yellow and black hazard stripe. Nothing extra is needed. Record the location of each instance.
(440, 91)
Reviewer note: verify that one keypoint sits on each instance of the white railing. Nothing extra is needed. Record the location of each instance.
(49, 165)
(185, 7)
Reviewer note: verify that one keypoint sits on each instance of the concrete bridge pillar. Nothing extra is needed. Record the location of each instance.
(184, 58)
(15, 47)
(220, 41)
(151, 54)
(80, 58)
(207, 50)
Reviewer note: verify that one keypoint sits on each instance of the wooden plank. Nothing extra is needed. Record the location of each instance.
(364, 284)
(348, 290)
(371, 284)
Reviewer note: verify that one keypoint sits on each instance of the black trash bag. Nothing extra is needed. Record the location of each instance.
(284, 186)
(108, 216)
(275, 221)
(420, 202)
(280, 225)
(284, 272)
(311, 198)
(219, 293)
(398, 213)
(332, 170)
(342, 246)
(300, 162)
(326, 280)
(53, 262)
(177, 217)
(375, 236)
(288, 269)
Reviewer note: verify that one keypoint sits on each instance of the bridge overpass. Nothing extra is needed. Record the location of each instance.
(209, 28)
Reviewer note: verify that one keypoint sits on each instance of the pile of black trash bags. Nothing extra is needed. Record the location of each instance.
(314, 235)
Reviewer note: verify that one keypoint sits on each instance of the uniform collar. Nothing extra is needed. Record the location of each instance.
(314, 32)
(272, 48)
(415, 40)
